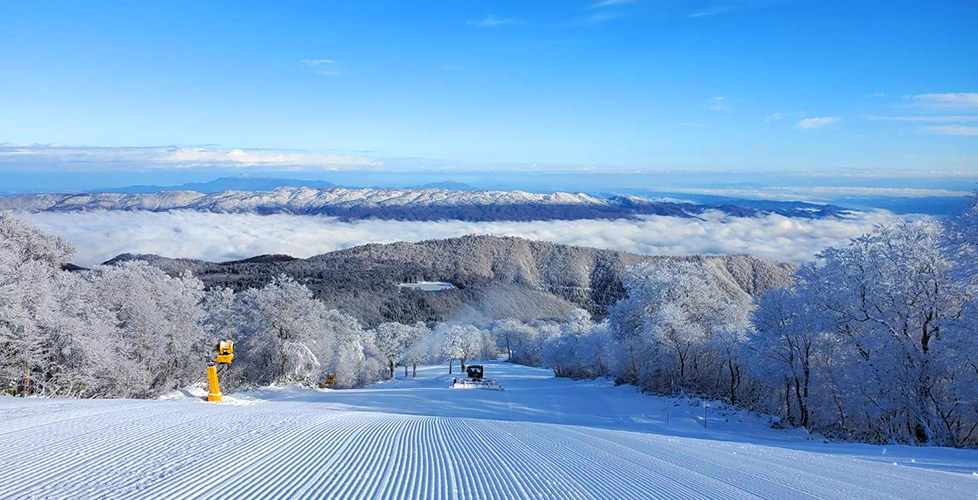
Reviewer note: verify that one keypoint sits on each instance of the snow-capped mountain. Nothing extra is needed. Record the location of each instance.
(403, 204)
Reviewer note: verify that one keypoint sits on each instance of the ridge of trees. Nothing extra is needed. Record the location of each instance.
(494, 277)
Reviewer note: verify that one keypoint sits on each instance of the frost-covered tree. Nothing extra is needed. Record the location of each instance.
(678, 325)
(784, 347)
(30, 263)
(392, 340)
(506, 332)
(26, 305)
(357, 359)
(284, 339)
(961, 241)
(419, 348)
(219, 315)
(574, 349)
(889, 297)
(461, 342)
(453, 343)
(24, 243)
(160, 322)
(129, 331)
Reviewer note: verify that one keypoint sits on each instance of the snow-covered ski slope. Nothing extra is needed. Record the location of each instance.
(541, 438)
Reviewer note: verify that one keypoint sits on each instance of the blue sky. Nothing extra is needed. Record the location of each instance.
(611, 85)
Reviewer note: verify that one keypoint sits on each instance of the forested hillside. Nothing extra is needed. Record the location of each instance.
(494, 277)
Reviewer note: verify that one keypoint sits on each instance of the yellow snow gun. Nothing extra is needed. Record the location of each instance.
(225, 353)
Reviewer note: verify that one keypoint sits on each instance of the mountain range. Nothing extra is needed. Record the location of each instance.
(408, 204)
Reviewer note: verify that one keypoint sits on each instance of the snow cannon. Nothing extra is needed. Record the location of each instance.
(474, 380)
(225, 353)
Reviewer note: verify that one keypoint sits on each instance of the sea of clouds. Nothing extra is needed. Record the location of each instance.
(101, 235)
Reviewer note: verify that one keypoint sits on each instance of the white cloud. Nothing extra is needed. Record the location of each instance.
(823, 193)
(600, 17)
(818, 122)
(782, 115)
(711, 12)
(878, 94)
(931, 119)
(37, 156)
(319, 66)
(609, 3)
(948, 100)
(101, 235)
(953, 130)
(717, 103)
(491, 21)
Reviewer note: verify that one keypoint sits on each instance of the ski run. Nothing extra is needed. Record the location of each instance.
(540, 438)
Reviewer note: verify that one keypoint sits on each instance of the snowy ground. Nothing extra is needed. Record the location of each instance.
(540, 438)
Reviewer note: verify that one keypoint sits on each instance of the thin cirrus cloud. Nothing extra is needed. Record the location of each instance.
(822, 194)
(609, 3)
(34, 157)
(320, 66)
(960, 130)
(491, 21)
(927, 119)
(710, 12)
(782, 115)
(100, 235)
(717, 7)
(816, 122)
(718, 103)
(600, 17)
(947, 100)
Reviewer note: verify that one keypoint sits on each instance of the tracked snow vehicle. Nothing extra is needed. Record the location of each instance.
(475, 380)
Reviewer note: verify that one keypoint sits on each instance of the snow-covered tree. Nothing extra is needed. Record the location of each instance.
(511, 333)
(160, 322)
(461, 342)
(392, 340)
(30, 263)
(282, 327)
(453, 343)
(961, 241)
(675, 325)
(127, 330)
(889, 297)
(784, 346)
(419, 349)
(24, 243)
